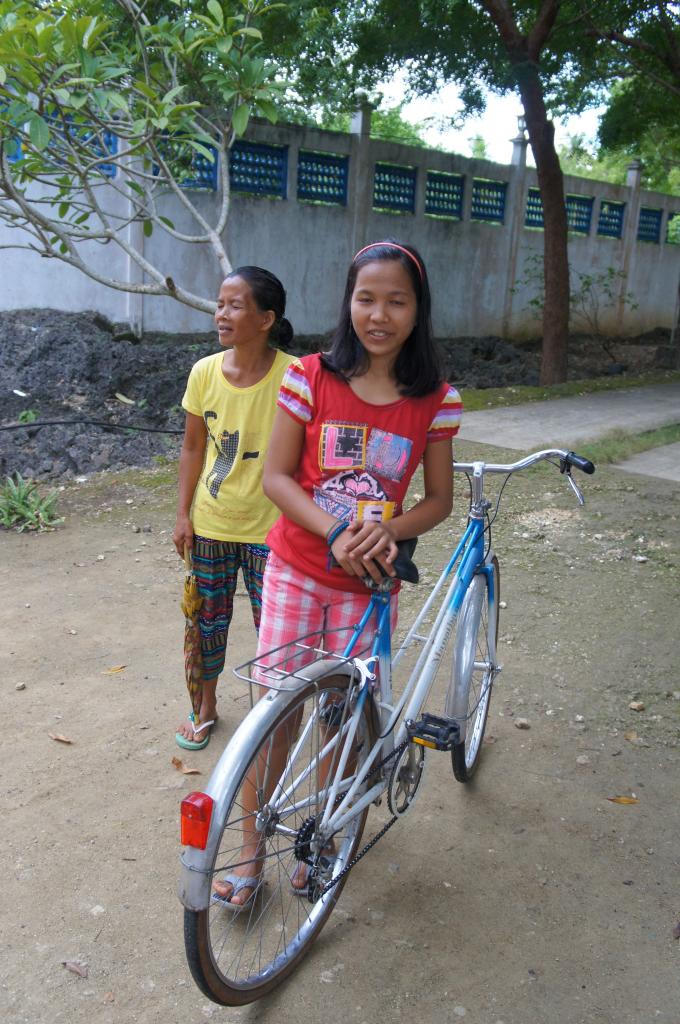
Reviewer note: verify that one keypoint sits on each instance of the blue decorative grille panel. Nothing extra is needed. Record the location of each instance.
(610, 220)
(255, 167)
(488, 200)
(394, 188)
(108, 146)
(444, 194)
(189, 167)
(322, 177)
(203, 172)
(533, 217)
(579, 213)
(649, 225)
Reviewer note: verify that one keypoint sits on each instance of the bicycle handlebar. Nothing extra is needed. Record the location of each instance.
(566, 459)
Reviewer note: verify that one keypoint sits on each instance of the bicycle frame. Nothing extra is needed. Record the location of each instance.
(467, 560)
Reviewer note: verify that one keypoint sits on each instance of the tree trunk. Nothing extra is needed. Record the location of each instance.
(555, 258)
(675, 333)
(524, 52)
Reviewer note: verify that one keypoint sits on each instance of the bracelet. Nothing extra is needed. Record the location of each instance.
(338, 527)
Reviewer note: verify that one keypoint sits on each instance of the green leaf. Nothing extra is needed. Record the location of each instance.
(268, 110)
(63, 209)
(3, 75)
(39, 132)
(148, 229)
(167, 222)
(224, 45)
(203, 150)
(216, 10)
(240, 118)
(254, 33)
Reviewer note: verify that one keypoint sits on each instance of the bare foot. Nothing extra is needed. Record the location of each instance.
(300, 877)
(208, 714)
(246, 869)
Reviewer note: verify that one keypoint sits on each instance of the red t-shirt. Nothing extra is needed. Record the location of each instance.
(357, 458)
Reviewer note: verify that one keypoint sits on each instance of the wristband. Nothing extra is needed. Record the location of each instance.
(335, 530)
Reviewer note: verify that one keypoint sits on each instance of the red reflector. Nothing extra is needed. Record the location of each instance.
(195, 818)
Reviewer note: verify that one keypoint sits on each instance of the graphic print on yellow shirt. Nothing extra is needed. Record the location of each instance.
(229, 503)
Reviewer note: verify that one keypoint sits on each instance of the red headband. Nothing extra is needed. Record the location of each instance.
(392, 245)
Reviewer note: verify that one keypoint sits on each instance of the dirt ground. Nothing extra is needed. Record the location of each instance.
(530, 898)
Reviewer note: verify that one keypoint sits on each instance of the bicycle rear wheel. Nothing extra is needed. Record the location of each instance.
(473, 670)
(238, 958)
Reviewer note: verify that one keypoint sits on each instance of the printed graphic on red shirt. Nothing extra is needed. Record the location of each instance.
(342, 446)
(362, 489)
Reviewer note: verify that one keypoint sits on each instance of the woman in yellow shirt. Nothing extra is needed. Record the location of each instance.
(223, 514)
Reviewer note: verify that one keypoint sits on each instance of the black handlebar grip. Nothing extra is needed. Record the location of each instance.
(585, 465)
(404, 567)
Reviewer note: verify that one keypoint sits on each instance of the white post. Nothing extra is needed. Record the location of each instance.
(515, 205)
(630, 229)
(360, 185)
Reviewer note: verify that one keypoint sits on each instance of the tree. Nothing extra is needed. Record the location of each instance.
(105, 110)
(640, 52)
(532, 48)
(386, 123)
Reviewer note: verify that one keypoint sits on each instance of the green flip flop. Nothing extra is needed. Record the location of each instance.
(186, 744)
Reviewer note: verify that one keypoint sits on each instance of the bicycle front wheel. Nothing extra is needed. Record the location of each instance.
(277, 803)
(474, 669)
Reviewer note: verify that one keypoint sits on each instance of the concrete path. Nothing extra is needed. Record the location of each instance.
(564, 422)
(659, 462)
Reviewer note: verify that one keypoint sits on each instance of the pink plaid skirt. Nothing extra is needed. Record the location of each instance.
(293, 605)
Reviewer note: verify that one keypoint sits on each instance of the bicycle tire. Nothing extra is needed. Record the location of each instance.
(473, 671)
(236, 959)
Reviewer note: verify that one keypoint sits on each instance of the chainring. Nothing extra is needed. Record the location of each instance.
(405, 778)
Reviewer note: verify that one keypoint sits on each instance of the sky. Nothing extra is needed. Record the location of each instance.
(497, 126)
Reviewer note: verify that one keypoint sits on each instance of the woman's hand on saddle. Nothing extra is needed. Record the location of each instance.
(183, 535)
(363, 547)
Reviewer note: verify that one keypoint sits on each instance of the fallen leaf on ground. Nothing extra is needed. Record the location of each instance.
(489, 739)
(112, 671)
(108, 997)
(184, 768)
(636, 705)
(59, 738)
(631, 735)
(124, 399)
(623, 799)
(76, 967)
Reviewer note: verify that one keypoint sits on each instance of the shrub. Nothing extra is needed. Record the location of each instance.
(23, 508)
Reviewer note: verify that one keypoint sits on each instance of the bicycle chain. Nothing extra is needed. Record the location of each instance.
(371, 843)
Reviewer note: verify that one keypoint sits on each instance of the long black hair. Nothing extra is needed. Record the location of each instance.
(269, 294)
(417, 367)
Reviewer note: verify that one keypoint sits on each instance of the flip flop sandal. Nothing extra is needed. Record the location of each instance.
(252, 882)
(194, 744)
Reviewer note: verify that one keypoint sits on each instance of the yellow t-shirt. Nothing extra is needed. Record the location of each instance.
(229, 503)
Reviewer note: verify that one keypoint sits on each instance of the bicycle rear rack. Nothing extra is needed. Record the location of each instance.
(287, 666)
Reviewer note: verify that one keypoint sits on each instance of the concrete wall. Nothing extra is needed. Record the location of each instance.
(479, 271)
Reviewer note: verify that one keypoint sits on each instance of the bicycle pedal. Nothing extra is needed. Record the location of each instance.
(434, 732)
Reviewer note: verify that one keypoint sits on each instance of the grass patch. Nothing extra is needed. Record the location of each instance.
(23, 507)
(619, 445)
(476, 399)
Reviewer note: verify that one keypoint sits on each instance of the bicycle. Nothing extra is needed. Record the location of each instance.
(327, 740)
